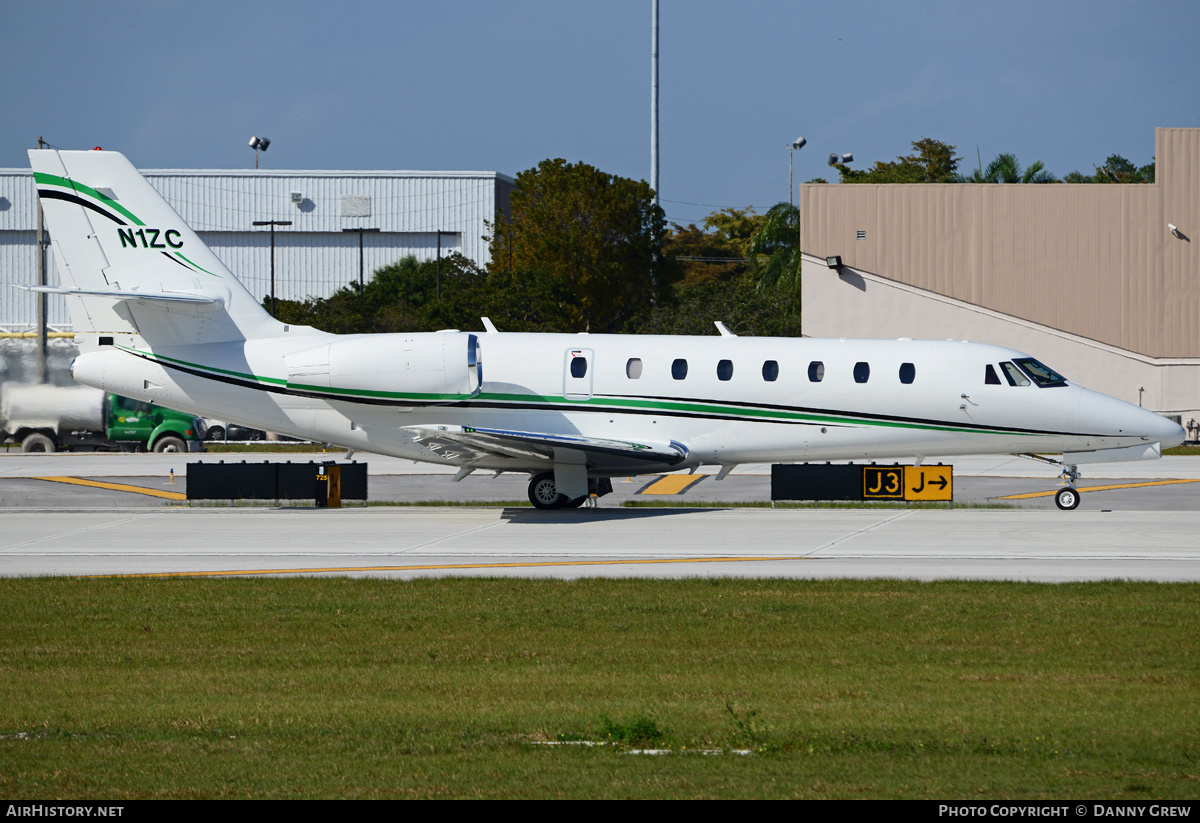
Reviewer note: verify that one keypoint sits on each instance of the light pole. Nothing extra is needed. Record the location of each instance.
(792, 149)
(272, 224)
(360, 231)
(259, 144)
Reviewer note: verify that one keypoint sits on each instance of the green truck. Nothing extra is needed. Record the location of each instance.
(77, 418)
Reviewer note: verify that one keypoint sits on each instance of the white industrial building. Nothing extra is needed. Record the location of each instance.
(314, 256)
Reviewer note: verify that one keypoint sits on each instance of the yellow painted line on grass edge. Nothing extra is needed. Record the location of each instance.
(1031, 495)
(117, 487)
(450, 566)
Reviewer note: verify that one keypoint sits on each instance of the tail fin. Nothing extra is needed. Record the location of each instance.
(128, 262)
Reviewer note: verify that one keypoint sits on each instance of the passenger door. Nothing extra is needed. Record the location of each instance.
(577, 374)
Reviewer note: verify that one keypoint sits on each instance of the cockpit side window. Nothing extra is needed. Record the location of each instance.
(989, 376)
(1013, 375)
(1044, 376)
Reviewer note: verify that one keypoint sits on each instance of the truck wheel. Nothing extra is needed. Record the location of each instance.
(37, 443)
(170, 444)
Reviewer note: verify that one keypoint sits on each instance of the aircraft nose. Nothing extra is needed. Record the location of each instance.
(1101, 413)
(1167, 432)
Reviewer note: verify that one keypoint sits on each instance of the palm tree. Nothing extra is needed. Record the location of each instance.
(1007, 169)
(774, 250)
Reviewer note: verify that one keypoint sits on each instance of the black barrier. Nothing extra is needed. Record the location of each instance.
(813, 481)
(270, 481)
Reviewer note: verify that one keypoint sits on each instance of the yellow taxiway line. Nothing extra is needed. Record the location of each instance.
(452, 566)
(672, 484)
(117, 487)
(1031, 495)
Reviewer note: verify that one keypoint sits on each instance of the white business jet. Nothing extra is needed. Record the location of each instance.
(160, 318)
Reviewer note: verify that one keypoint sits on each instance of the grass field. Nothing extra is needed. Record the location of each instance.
(174, 688)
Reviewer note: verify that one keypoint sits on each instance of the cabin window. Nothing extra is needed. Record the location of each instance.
(770, 371)
(989, 376)
(633, 368)
(578, 366)
(679, 369)
(908, 373)
(816, 371)
(1044, 376)
(1013, 375)
(725, 370)
(862, 372)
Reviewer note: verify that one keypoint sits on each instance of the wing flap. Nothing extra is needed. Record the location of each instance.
(470, 444)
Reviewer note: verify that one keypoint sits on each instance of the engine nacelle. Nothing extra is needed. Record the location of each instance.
(437, 367)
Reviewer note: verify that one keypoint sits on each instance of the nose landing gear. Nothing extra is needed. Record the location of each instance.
(1067, 498)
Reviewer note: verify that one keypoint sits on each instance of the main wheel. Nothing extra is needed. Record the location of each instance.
(1067, 499)
(576, 503)
(170, 444)
(543, 492)
(37, 443)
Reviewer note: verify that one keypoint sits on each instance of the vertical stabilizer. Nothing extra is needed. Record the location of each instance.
(115, 238)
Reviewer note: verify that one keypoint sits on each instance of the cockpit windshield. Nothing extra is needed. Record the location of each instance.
(1043, 376)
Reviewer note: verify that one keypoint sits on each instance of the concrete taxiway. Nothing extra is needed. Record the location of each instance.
(122, 514)
(1047, 546)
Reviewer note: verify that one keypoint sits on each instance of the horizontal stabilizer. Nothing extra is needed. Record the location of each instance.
(114, 294)
(468, 444)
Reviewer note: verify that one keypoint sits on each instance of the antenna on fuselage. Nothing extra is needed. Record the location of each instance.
(723, 329)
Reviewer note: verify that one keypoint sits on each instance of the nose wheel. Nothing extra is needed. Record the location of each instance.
(1067, 499)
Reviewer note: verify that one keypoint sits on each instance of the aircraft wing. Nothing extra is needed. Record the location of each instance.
(467, 444)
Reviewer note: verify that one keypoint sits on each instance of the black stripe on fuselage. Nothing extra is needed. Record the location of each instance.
(564, 407)
(864, 415)
(472, 404)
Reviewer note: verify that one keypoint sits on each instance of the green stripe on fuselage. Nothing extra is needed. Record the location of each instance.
(597, 404)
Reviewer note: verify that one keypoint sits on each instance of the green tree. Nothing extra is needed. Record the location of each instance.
(718, 250)
(1116, 169)
(599, 234)
(1007, 169)
(403, 297)
(932, 162)
(694, 306)
(774, 252)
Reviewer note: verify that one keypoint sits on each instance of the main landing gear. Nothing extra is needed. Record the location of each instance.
(543, 492)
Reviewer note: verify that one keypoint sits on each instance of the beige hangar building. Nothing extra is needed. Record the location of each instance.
(1099, 281)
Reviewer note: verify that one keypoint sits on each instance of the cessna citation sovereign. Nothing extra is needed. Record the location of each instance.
(161, 319)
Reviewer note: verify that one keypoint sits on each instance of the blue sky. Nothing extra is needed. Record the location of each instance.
(503, 85)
